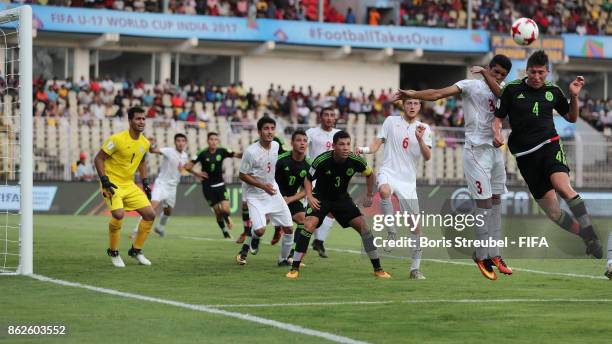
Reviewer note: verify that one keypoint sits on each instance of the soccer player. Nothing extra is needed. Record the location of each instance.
(333, 171)
(483, 163)
(164, 189)
(246, 220)
(291, 170)
(213, 186)
(116, 163)
(257, 170)
(406, 141)
(319, 141)
(529, 104)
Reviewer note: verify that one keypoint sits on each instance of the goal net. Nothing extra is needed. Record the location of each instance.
(16, 155)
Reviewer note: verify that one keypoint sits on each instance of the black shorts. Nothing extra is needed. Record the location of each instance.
(537, 167)
(215, 195)
(296, 207)
(344, 210)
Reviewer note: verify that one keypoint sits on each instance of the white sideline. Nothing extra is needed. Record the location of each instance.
(431, 260)
(345, 303)
(206, 309)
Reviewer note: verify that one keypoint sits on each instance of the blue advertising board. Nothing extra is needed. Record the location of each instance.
(80, 20)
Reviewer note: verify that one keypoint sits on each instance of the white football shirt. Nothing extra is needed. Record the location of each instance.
(479, 105)
(402, 151)
(261, 164)
(172, 165)
(319, 141)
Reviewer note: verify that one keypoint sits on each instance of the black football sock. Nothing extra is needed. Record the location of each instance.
(579, 210)
(368, 245)
(567, 222)
(301, 247)
(246, 222)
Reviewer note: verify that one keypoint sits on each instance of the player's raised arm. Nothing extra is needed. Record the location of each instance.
(424, 137)
(574, 110)
(429, 94)
(488, 78)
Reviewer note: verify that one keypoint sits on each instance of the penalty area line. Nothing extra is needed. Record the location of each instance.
(205, 309)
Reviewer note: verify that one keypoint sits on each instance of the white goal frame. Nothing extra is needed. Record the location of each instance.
(23, 15)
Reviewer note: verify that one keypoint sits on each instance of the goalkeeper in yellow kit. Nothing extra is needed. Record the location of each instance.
(116, 163)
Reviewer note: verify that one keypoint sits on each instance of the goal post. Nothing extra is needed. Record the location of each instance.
(17, 140)
(26, 248)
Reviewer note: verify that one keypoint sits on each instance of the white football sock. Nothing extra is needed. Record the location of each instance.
(286, 245)
(417, 252)
(323, 231)
(495, 230)
(482, 232)
(387, 209)
(163, 219)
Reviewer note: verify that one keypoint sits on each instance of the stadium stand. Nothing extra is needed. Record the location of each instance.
(553, 16)
(89, 112)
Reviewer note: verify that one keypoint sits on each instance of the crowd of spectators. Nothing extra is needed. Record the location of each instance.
(553, 16)
(598, 112)
(167, 102)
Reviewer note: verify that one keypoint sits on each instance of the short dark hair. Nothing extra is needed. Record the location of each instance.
(263, 121)
(539, 58)
(341, 135)
(298, 132)
(502, 61)
(330, 108)
(133, 111)
(179, 135)
(212, 133)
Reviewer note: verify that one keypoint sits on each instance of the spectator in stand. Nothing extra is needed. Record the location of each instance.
(84, 171)
(373, 17)
(350, 16)
(94, 86)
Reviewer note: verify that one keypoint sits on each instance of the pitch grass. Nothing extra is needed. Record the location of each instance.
(204, 272)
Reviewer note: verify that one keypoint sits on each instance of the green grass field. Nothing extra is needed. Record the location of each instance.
(192, 266)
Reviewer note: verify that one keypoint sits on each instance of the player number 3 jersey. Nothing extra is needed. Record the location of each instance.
(334, 176)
